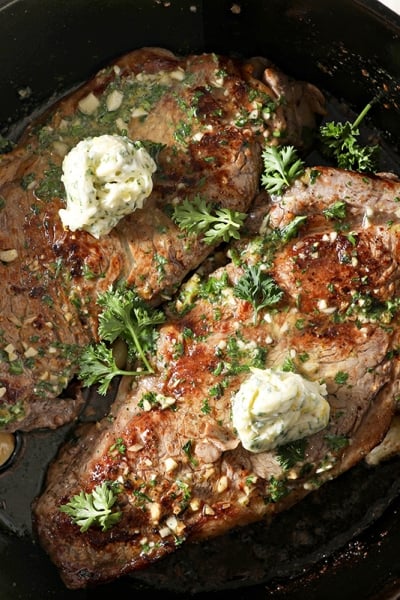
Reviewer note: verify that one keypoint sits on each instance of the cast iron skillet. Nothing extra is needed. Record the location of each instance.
(343, 540)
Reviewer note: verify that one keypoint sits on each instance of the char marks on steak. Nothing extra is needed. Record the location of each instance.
(210, 116)
(183, 473)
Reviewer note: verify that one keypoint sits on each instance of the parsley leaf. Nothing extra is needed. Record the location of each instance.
(291, 229)
(336, 211)
(288, 455)
(258, 288)
(339, 142)
(124, 316)
(94, 509)
(281, 167)
(217, 224)
(97, 365)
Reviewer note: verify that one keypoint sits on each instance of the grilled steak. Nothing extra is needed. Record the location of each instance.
(207, 118)
(169, 444)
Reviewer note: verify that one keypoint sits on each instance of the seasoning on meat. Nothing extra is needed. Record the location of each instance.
(203, 119)
(182, 471)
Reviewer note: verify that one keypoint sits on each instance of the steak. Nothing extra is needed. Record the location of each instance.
(205, 118)
(169, 444)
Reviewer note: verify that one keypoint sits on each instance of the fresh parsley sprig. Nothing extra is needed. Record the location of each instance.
(94, 509)
(291, 229)
(98, 366)
(124, 316)
(281, 167)
(340, 143)
(216, 223)
(257, 287)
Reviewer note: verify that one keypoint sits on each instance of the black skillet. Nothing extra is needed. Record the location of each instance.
(343, 541)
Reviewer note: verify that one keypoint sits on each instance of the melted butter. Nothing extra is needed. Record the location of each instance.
(105, 178)
(276, 407)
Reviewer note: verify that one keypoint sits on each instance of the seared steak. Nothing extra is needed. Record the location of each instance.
(169, 444)
(207, 118)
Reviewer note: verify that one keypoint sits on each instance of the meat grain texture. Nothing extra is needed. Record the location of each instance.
(208, 117)
(182, 471)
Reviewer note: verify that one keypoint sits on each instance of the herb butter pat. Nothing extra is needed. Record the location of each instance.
(276, 407)
(105, 178)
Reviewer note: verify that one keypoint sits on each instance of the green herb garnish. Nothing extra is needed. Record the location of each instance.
(277, 489)
(281, 167)
(5, 145)
(98, 366)
(94, 509)
(336, 442)
(258, 288)
(127, 317)
(336, 210)
(188, 450)
(339, 142)
(217, 224)
(290, 454)
(341, 377)
(291, 230)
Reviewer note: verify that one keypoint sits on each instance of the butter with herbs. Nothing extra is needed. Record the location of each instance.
(105, 178)
(274, 407)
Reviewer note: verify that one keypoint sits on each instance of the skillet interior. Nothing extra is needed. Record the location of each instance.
(345, 535)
